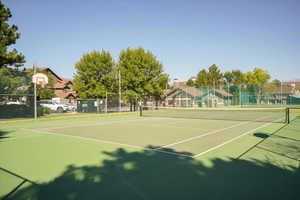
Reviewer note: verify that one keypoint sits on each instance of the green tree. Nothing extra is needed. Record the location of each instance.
(202, 79)
(276, 82)
(142, 75)
(238, 77)
(257, 76)
(212, 77)
(272, 86)
(191, 82)
(12, 81)
(228, 78)
(93, 75)
(215, 77)
(8, 37)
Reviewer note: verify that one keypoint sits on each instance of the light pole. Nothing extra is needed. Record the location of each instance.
(35, 104)
(120, 92)
(281, 97)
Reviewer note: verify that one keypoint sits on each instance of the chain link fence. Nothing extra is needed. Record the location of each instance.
(230, 96)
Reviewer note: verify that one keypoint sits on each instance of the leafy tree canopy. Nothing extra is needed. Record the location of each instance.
(214, 77)
(8, 37)
(191, 82)
(209, 78)
(257, 76)
(12, 81)
(94, 75)
(142, 74)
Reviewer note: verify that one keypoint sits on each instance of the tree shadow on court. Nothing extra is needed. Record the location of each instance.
(154, 175)
(169, 150)
(3, 134)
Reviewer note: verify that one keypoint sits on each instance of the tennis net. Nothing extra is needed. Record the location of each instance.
(278, 115)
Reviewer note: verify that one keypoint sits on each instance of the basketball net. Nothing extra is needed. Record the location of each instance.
(40, 81)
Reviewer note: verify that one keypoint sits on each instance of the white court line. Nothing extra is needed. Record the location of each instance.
(172, 126)
(91, 124)
(107, 142)
(209, 133)
(247, 132)
(140, 147)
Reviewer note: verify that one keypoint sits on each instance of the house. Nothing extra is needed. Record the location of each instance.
(62, 87)
(185, 96)
(282, 93)
(63, 90)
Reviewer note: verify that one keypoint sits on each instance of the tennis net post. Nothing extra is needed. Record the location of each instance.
(292, 113)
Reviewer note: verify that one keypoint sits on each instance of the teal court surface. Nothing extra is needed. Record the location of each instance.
(168, 156)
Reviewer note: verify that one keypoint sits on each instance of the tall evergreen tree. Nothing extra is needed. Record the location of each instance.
(8, 37)
(202, 79)
(215, 76)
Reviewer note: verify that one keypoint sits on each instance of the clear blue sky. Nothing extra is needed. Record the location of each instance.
(185, 35)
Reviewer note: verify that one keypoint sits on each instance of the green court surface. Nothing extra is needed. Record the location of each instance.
(131, 157)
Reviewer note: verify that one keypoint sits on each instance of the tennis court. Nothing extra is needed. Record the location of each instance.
(189, 132)
(163, 154)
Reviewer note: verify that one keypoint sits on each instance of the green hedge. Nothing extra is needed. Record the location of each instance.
(21, 111)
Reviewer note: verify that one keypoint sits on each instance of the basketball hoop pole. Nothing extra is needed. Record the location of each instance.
(35, 107)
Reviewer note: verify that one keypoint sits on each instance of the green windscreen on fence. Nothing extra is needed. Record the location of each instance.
(267, 96)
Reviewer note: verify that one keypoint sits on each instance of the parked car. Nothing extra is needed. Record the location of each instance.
(14, 102)
(54, 106)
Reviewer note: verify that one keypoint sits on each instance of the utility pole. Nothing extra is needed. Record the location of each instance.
(120, 93)
(35, 104)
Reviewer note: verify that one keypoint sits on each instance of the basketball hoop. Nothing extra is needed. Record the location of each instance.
(40, 79)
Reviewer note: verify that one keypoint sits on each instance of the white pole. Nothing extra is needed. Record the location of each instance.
(186, 97)
(106, 102)
(240, 96)
(214, 94)
(228, 94)
(35, 104)
(120, 97)
(281, 97)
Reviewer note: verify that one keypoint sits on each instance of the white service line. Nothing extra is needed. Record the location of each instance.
(247, 132)
(91, 124)
(172, 126)
(106, 141)
(209, 133)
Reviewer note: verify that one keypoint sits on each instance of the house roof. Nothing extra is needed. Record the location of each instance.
(179, 84)
(62, 84)
(191, 90)
(64, 95)
(47, 69)
(187, 89)
(295, 84)
(285, 89)
(195, 92)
